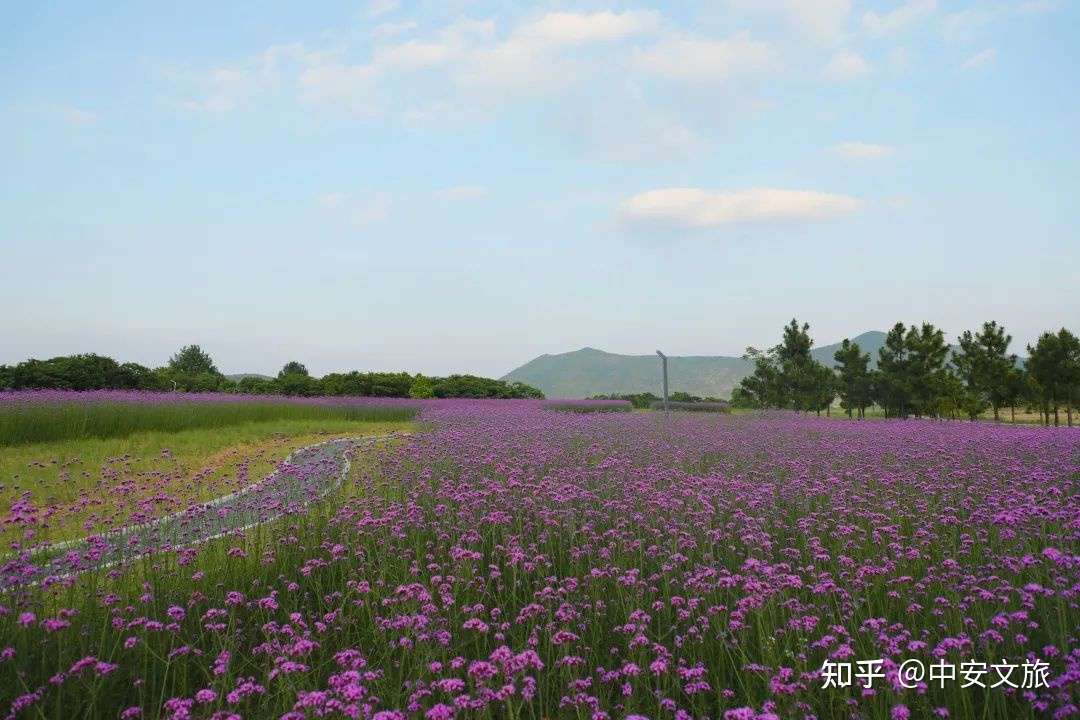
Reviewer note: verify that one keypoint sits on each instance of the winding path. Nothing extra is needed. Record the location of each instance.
(307, 475)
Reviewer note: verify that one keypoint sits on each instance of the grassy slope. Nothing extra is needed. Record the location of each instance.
(90, 480)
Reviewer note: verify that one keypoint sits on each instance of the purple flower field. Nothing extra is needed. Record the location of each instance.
(519, 562)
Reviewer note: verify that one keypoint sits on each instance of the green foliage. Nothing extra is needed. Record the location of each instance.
(912, 373)
(985, 365)
(193, 370)
(371, 384)
(293, 379)
(192, 360)
(822, 390)
(78, 372)
(471, 386)
(639, 401)
(927, 374)
(522, 391)
(787, 376)
(1054, 369)
(854, 385)
(680, 396)
(678, 400)
(422, 387)
(893, 380)
(293, 367)
(742, 398)
(763, 387)
(297, 385)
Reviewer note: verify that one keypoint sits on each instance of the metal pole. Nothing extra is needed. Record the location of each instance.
(663, 363)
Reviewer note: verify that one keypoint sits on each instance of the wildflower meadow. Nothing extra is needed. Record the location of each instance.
(508, 559)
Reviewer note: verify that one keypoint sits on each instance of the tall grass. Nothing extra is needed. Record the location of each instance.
(22, 423)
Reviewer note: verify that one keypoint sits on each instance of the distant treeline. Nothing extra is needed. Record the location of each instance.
(917, 375)
(646, 399)
(193, 370)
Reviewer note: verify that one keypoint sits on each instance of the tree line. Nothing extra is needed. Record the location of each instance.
(919, 375)
(192, 369)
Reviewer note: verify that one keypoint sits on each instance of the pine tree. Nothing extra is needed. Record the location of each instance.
(854, 381)
(1015, 389)
(927, 353)
(798, 376)
(763, 385)
(985, 365)
(1047, 368)
(894, 369)
(1069, 346)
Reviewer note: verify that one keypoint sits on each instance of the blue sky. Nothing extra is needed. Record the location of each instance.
(458, 186)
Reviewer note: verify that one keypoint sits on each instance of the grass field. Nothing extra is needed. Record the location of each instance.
(33, 422)
(97, 484)
(513, 562)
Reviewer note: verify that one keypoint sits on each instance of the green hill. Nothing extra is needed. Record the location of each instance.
(589, 371)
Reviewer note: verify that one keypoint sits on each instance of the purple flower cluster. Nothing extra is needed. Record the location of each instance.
(518, 562)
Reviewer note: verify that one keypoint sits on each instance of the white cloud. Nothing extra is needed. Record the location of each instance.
(363, 88)
(692, 59)
(846, 65)
(350, 87)
(413, 55)
(574, 66)
(529, 59)
(965, 25)
(234, 86)
(898, 19)
(818, 20)
(857, 150)
(462, 192)
(465, 31)
(575, 28)
(514, 68)
(375, 8)
(980, 59)
(694, 208)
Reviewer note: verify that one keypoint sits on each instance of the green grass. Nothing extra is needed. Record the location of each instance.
(197, 464)
(22, 424)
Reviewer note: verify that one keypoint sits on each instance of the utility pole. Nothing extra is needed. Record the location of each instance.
(663, 363)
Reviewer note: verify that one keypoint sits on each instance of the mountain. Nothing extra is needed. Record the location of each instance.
(589, 371)
(240, 376)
